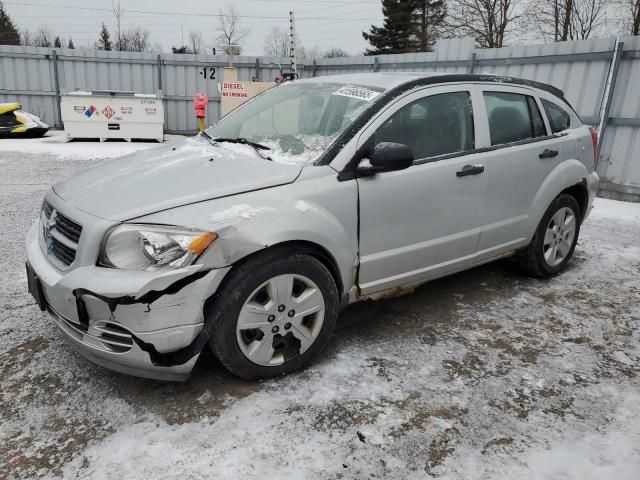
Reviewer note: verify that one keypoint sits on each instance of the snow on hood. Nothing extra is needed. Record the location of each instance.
(170, 176)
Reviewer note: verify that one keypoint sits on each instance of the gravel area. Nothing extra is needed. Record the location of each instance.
(485, 374)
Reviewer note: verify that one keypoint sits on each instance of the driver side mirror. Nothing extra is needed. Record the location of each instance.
(388, 157)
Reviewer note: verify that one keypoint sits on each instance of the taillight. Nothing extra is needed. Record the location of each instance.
(594, 139)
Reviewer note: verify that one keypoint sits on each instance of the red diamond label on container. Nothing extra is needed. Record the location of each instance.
(108, 112)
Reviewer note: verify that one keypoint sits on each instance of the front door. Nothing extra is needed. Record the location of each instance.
(422, 222)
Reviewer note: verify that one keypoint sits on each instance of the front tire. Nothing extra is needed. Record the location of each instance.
(555, 239)
(274, 315)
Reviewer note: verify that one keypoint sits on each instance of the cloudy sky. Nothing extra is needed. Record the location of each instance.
(325, 23)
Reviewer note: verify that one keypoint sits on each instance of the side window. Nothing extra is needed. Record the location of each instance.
(558, 118)
(512, 117)
(432, 126)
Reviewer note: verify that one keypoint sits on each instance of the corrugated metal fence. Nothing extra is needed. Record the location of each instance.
(37, 76)
(600, 78)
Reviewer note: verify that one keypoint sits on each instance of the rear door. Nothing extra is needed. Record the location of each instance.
(422, 222)
(521, 153)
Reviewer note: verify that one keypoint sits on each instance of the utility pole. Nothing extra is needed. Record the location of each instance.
(292, 43)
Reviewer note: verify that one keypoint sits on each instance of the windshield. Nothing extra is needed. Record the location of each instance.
(297, 121)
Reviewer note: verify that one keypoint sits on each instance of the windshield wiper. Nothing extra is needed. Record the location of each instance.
(258, 147)
(207, 136)
(242, 141)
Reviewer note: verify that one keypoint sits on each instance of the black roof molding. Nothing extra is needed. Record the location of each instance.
(512, 80)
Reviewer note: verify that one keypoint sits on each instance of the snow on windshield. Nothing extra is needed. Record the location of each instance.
(299, 149)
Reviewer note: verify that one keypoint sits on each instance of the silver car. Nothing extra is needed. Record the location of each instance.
(252, 236)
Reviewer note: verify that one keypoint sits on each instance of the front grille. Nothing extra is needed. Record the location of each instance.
(63, 253)
(61, 234)
(68, 227)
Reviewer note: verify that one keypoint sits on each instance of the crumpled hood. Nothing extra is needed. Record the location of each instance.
(170, 176)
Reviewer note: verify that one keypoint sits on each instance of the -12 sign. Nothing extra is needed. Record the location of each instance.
(208, 73)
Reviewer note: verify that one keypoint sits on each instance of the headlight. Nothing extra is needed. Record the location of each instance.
(149, 247)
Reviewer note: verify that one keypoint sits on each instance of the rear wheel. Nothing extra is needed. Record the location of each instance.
(274, 315)
(555, 239)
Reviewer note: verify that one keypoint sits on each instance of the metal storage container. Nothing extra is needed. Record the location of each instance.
(113, 114)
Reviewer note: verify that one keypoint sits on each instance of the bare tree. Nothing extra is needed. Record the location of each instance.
(308, 53)
(562, 13)
(335, 53)
(132, 39)
(118, 15)
(488, 21)
(634, 11)
(135, 39)
(276, 43)
(562, 20)
(195, 42)
(587, 18)
(230, 30)
(42, 37)
(26, 38)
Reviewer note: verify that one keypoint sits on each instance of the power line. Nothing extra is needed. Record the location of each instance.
(315, 26)
(156, 12)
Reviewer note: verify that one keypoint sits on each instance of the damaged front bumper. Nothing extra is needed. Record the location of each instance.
(147, 324)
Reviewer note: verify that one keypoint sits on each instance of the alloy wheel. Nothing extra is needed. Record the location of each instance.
(559, 236)
(280, 320)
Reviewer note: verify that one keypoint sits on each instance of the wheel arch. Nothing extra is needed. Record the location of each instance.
(322, 254)
(313, 249)
(569, 177)
(580, 192)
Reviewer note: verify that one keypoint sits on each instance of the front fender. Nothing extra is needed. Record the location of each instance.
(565, 175)
(317, 210)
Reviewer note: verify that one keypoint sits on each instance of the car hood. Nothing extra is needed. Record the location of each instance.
(169, 176)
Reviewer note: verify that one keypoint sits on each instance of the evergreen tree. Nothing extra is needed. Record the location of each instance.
(396, 34)
(57, 43)
(409, 26)
(71, 46)
(429, 18)
(104, 40)
(8, 32)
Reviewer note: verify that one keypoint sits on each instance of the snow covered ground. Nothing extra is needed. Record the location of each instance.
(54, 144)
(486, 374)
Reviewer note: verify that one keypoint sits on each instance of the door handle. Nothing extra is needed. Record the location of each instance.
(470, 170)
(548, 154)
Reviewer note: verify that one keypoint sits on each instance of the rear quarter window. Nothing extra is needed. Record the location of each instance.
(559, 119)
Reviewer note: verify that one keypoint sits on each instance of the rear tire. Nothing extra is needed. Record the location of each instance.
(555, 239)
(257, 331)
